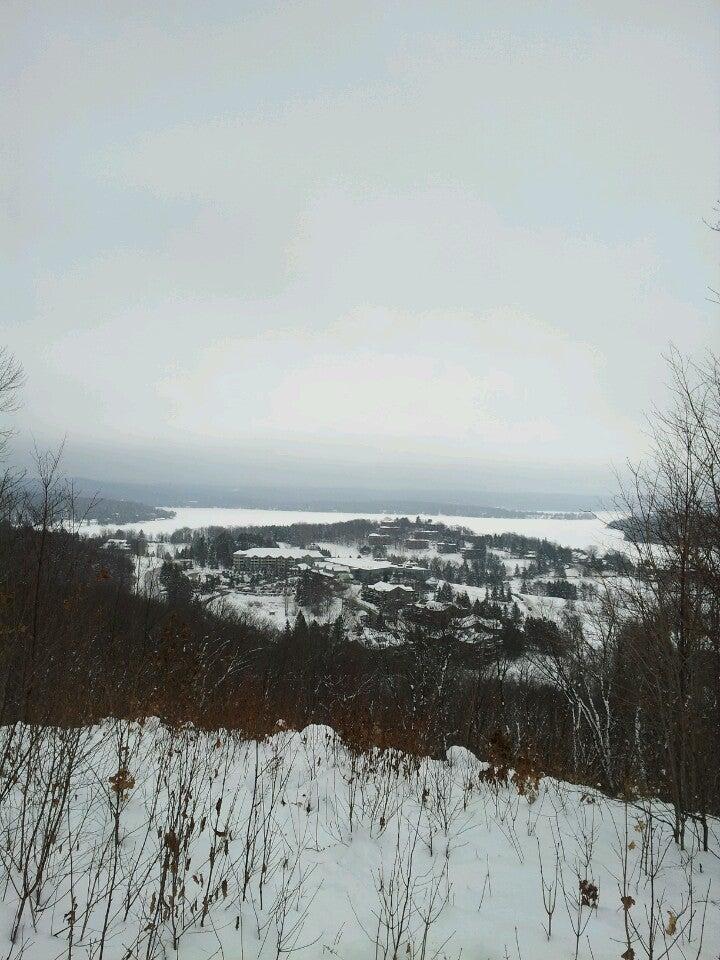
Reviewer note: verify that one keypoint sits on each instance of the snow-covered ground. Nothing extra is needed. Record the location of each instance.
(275, 609)
(158, 843)
(576, 533)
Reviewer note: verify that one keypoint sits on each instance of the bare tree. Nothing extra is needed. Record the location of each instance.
(12, 379)
(674, 527)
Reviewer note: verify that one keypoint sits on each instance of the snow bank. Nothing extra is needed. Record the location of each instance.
(152, 841)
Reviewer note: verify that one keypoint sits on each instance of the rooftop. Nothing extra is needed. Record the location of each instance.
(286, 553)
(383, 587)
(360, 563)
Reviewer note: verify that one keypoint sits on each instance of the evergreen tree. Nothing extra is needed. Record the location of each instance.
(338, 631)
(512, 640)
(300, 630)
(178, 588)
(200, 549)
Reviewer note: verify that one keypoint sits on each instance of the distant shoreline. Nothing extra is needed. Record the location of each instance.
(169, 512)
(580, 530)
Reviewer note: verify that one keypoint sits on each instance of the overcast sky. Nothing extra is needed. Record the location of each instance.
(309, 239)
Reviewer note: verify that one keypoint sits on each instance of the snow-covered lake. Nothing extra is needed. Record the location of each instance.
(580, 533)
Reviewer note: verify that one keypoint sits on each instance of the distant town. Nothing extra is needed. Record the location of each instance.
(379, 580)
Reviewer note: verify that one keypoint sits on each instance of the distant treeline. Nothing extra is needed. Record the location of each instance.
(106, 511)
(216, 545)
(118, 511)
(519, 545)
(662, 528)
(208, 544)
(635, 531)
(355, 531)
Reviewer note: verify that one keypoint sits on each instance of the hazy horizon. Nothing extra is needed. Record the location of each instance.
(479, 502)
(181, 476)
(373, 247)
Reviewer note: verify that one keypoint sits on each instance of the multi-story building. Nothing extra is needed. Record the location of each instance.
(389, 597)
(362, 569)
(446, 546)
(278, 560)
(416, 543)
(412, 573)
(116, 545)
(379, 540)
(391, 530)
(430, 533)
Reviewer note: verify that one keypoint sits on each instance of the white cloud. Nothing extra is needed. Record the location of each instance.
(445, 228)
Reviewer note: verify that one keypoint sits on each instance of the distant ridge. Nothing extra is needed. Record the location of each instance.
(491, 505)
(107, 512)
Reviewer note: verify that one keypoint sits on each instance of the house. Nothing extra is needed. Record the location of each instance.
(379, 540)
(340, 574)
(116, 545)
(446, 546)
(430, 533)
(416, 543)
(413, 573)
(362, 569)
(388, 597)
(384, 588)
(432, 614)
(273, 560)
(391, 530)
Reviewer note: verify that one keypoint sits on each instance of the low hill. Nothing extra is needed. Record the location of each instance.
(108, 512)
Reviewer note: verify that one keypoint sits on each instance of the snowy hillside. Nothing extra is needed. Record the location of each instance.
(137, 841)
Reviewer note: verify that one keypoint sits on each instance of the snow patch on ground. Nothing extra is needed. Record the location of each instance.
(297, 847)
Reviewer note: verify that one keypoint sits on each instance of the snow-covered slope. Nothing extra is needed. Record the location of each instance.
(139, 841)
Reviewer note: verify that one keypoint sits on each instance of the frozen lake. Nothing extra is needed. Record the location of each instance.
(580, 533)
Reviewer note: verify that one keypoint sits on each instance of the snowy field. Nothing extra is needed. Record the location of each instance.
(275, 609)
(576, 533)
(125, 841)
(270, 608)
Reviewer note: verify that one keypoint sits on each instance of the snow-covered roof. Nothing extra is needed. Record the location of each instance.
(119, 544)
(286, 553)
(382, 586)
(361, 563)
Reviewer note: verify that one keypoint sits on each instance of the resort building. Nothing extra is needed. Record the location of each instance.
(388, 596)
(278, 560)
(416, 543)
(362, 569)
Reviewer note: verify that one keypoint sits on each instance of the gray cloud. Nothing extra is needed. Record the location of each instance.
(460, 233)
